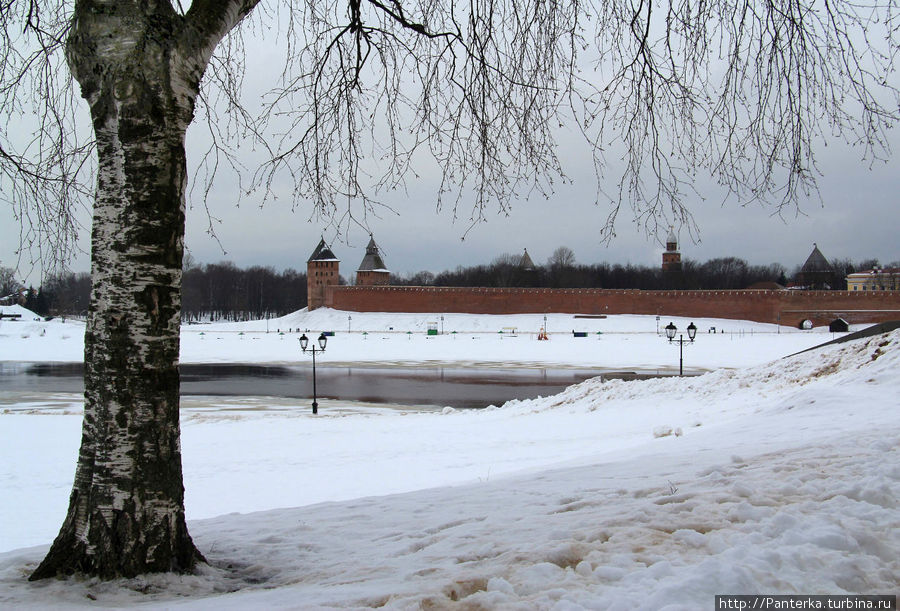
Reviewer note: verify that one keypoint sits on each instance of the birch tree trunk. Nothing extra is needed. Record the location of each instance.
(139, 65)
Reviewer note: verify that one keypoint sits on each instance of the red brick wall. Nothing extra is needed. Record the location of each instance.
(786, 307)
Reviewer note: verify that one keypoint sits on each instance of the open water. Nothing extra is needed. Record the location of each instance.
(458, 387)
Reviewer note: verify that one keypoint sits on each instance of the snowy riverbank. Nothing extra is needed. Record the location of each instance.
(617, 342)
(777, 477)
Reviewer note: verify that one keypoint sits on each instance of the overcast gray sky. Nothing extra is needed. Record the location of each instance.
(858, 217)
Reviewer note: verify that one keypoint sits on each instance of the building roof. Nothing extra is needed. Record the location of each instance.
(816, 262)
(881, 271)
(322, 253)
(672, 238)
(525, 262)
(372, 261)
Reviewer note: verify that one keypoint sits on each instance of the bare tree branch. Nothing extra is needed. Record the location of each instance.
(45, 168)
(377, 94)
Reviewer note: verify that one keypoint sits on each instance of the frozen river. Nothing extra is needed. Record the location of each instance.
(459, 387)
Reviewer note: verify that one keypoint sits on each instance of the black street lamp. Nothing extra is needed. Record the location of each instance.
(304, 342)
(671, 330)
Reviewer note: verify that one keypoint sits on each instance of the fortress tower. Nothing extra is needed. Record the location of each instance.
(526, 274)
(525, 263)
(671, 259)
(322, 269)
(372, 270)
(816, 273)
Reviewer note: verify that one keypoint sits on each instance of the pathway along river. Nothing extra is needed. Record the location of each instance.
(459, 387)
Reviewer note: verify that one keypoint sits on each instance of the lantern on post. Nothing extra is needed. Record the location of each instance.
(671, 331)
(304, 343)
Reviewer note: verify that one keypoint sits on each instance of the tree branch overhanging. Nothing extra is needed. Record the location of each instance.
(377, 93)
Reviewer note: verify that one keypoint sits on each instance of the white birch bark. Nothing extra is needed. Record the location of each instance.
(139, 65)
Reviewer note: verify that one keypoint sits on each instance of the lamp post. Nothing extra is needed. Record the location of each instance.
(304, 342)
(671, 330)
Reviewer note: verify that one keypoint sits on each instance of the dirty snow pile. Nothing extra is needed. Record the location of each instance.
(781, 478)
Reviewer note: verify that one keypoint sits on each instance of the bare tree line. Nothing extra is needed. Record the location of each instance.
(223, 291)
(719, 273)
(215, 291)
(562, 271)
(63, 293)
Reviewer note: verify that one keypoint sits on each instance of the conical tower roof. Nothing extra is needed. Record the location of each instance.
(372, 261)
(525, 262)
(322, 253)
(816, 262)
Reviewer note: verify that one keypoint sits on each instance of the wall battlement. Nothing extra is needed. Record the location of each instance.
(784, 307)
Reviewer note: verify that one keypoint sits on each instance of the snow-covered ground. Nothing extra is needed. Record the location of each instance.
(616, 342)
(777, 475)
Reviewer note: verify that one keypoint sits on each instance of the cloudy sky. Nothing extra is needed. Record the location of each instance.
(856, 216)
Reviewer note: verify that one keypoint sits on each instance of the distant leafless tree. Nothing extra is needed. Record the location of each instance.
(725, 273)
(68, 293)
(420, 278)
(560, 266)
(504, 269)
(740, 90)
(561, 258)
(9, 286)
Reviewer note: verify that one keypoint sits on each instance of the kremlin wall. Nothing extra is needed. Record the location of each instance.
(372, 293)
(785, 307)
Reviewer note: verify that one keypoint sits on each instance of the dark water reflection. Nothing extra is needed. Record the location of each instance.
(457, 387)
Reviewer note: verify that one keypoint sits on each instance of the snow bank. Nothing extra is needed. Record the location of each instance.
(785, 480)
(617, 342)
(24, 313)
(31, 338)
